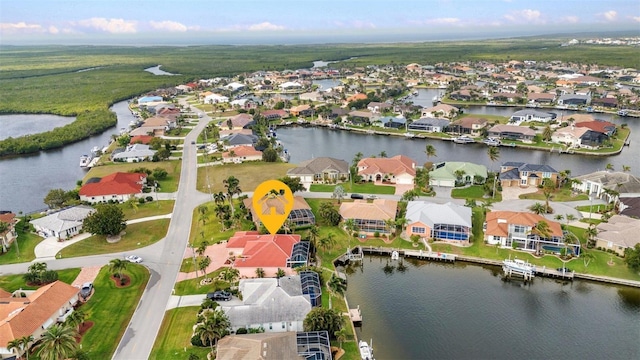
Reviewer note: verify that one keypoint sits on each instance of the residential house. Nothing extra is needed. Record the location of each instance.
(240, 154)
(525, 175)
(149, 99)
(133, 153)
(119, 186)
(446, 174)
(601, 126)
(379, 107)
(301, 110)
(541, 98)
(429, 125)
(512, 132)
(469, 125)
(618, 234)
(532, 115)
(290, 85)
(321, 170)
(504, 228)
(300, 216)
(8, 236)
(629, 206)
(608, 184)
(140, 139)
(275, 346)
(234, 86)
(461, 95)
(62, 224)
(392, 122)
(215, 99)
(506, 97)
(399, 169)
(356, 97)
(275, 114)
(574, 99)
(244, 103)
(34, 314)
(605, 102)
(156, 126)
(240, 121)
(569, 135)
(238, 139)
(370, 217)
(276, 305)
(361, 117)
(269, 252)
(440, 110)
(444, 222)
(311, 96)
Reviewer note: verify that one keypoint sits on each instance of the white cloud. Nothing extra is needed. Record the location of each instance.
(443, 21)
(265, 26)
(21, 27)
(53, 30)
(167, 25)
(570, 19)
(610, 15)
(525, 16)
(113, 26)
(636, 18)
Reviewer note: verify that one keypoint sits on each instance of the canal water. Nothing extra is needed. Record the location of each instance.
(461, 311)
(20, 125)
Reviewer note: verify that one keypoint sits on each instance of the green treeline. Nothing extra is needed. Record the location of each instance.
(86, 124)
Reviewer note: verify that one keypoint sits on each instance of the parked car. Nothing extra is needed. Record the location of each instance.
(357, 196)
(134, 259)
(372, 197)
(86, 289)
(193, 143)
(219, 295)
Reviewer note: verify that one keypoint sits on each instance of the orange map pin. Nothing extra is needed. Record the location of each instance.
(272, 201)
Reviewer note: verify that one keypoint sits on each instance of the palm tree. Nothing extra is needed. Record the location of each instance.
(540, 230)
(591, 233)
(401, 223)
(569, 218)
(430, 150)
(203, 263)
(559, 217)
(459, 174)
(260, 273)
(341, 336)
(327, 241)
(15, 344)
(233, 188)
(350, 226)
(133, 204)
(215, 326)
(279, 273)
(58, 342)
(587, 257)
(337, 285)
(76, 318)
(494, 153)
(21, 344)
(547, 133)
(117, 266)
(231, 275)
(626, 168)
(314, 233)
(219, 197)
(609, 167)
(538, 208)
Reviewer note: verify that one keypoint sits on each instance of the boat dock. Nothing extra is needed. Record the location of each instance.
(417, 254)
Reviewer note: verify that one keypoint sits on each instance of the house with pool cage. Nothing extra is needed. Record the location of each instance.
(300, 216)
(442, 222)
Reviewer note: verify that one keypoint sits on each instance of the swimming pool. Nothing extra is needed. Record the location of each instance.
(556, 249)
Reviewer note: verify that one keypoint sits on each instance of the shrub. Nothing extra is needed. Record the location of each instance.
(242, 331)
(376, 234)
(49, 276)
(196, 341)
(149, 199)
(141, 200)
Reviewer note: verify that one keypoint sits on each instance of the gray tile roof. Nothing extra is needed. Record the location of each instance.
(320, 165)
(530, 167)
(621, 182)
(432, 213)
(240, 139)
(65, 219)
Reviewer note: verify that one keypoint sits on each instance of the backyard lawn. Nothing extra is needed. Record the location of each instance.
(110, 309)
(364, 188)
(170, 184)
(137, 236)
(15, 282)
(250, 174)
(24, 246)
(174, 336)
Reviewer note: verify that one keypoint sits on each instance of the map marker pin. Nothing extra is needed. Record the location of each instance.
(272, 201)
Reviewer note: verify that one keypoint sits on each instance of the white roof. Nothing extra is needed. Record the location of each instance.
(431, 213)
(289, 84)
(65, 219)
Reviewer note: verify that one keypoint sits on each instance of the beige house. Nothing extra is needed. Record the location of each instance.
(618, 234)
(370, 217)
(34, 313)
(399, 169)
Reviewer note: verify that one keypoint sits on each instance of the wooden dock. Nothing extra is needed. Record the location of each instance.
(356, 316)
(417, 254)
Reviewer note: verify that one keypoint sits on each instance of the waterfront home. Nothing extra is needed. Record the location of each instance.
(618, 234)
(605, 102)
(461, 95)
(429, 125)
(532, 115)
(541, 98)
(574, 99)
(444, 222)
(240, 154)
(608, 184)
(238, 139)
(321, 170)
(512, 132)
(360, 117)
(237, 122)
(33, 314)
(399, 169)
(440, 110)
(8, 236)
(290, 85)
(250, 251)
(392, 122)
(524, 175)
(452, 173)
(569, 135)
(215, 99)
(156, 126)
(505, 97)
(275, 114)
(133, 153)
(601, 126)
(118, 186)
(629, 206)
(140, 139)
(300, 216)
(276, 305)
(370, 217)
(469, 125)
(62, 224)
(506, 228)
(149, 99)
(301, 110)
(275, 346)
(379, 107)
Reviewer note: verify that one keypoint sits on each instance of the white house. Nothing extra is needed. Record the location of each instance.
(532, 115)
(290, 85)
(133, 153)
(215, 99)
(599, 183)
(62, 224)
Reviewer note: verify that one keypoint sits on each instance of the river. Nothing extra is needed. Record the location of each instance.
(462, 311)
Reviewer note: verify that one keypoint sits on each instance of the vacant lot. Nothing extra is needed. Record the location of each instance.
(174, 336)
(249, 174)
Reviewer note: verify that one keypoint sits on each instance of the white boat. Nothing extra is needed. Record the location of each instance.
(366, 351)
(623, 112)
(463, 140)
(85, 160)
(491, 141)
(395, 255)
(409, 135)
(519, 265)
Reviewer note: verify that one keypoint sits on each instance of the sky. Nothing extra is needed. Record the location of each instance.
(195, 22)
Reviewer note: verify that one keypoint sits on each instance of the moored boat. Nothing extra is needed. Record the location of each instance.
(463, 140)
(491, 141)
(366, 351)
(85, 160)
(520, 265)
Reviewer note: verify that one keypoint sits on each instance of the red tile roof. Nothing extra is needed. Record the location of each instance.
(604, 127)
(396, 165)
(141, 139)
(262, 250)
(242, 150)
(119, 183)
(498, 222)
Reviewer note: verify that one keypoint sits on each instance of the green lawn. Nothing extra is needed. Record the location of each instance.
(137, 236)
(250, 174)
(364, 188)
(12, 283)
(193, 287)
(25, 246)
(175, 336)
(564, 194)
(593, 208)
(473, 192)
(211, 230)
(147, 209)
(170, 184)
(111, 308)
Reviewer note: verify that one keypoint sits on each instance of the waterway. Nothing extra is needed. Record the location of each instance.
(26, 180)
(20, 125)
(462, 311)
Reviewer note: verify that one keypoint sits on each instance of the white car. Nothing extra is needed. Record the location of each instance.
(372, 197)
(134, 259)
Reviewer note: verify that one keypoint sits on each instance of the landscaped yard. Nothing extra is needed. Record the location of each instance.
(170, 184)
(137, 236)
(110, 309)
(147, 209)
(363, 188)
(473, 192)
(15, 282)
(250, 174)
(26, 244)
(175, 336)
(564, 194)
(193, 287)
(211, 229)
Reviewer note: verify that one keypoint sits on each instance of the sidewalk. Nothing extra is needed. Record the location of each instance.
(49, 247)
(187, 300)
